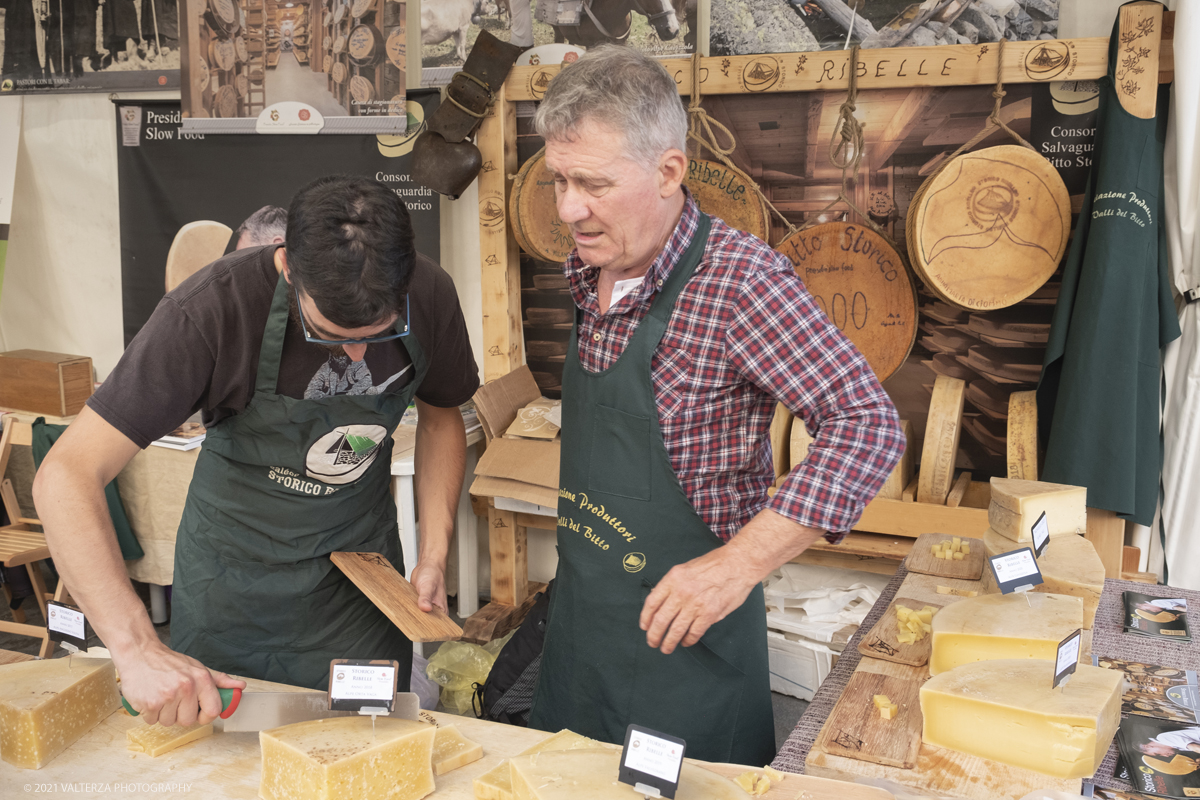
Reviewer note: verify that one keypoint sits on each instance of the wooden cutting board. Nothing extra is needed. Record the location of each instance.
(395, 597)
(862, 285)
(920, 559)
(942, 431)
(881, 642)
(855, 730)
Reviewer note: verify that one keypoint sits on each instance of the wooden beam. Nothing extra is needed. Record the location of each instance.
(884, 68)
(1106, 532)
(911, 112)
(716, 109)
(899, 518)
(815, 106)
(509, 558)
(495, 619)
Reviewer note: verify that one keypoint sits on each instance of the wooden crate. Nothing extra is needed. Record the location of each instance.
(48, 383)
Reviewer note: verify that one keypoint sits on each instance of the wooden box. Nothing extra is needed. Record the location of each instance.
(46, 383)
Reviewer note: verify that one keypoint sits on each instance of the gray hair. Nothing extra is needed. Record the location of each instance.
(263, 225)
(623, 89)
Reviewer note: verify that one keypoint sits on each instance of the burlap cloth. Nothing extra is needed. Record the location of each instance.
(1108, 641)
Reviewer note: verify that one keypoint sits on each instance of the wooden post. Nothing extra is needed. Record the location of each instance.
(509, 558)
(500, 266)
(1106, 532)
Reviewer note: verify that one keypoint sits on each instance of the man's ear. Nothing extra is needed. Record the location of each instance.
(672, 169)
(281, 263)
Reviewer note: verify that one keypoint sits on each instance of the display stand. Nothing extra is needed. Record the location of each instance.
(964, 512)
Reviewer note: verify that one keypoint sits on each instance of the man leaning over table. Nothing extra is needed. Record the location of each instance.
(686, 334)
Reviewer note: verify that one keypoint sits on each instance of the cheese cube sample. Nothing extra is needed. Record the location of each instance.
(154, 740)
(495, 783)
(1069, 565)
(452, 750)
(888, 712)
(338, 758)
(1016, 506)
(1005, 626)
(46, 706)
(592, 775)
(1006, 711)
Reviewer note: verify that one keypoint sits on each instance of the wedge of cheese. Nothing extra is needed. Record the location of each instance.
(495, 784)
(452, 750)
(1006, 711)
(341, 757)
(154, 740)
(45, 706)
(1069, 565)
(592, 775)
(1016, 506)
(993, 626)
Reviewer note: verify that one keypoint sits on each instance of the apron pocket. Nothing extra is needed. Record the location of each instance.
(620, 462)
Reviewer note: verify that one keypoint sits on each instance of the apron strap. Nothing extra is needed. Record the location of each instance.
(664, 303)
(271, 351)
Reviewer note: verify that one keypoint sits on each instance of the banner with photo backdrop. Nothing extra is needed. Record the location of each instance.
(56, 46)
(169, 178)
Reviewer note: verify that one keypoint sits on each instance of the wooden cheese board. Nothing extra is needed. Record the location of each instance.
(881, 642)
(921, 559)
(1016, 365)
(949, 365)
(395, 597)
(978, 430)
(856, 730)
(1022, 323)
(990, 396)
(999, 380)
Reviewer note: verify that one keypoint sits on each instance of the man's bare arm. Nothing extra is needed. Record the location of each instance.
(165, 686)
(438, 467)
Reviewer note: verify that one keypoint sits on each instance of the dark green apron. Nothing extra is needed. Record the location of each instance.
(277, 488)
(624, 521)
(1098, 398)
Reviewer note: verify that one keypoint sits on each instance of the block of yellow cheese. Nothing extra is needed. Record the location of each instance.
(452, 750)
(1006, 711)
(45, 706)
(154, 740)
(495, 783)
(325, 759)
(592, 775)
(991, 626)
(1017, 504)
(1069, 565)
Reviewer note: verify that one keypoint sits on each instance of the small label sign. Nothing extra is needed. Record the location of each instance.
(1041, 534)
(358, 684)
(1067, 659)
(651, 761)
(67, 626)
(1016, 571)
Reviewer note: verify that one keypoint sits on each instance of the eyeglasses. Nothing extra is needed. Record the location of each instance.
(308, 337)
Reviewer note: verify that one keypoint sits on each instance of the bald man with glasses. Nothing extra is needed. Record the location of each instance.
(301, 358)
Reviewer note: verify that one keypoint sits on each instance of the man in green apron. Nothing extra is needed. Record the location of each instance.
(686, 334)
(302, 359)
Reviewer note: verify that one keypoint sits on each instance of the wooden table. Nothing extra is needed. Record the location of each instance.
(227, 765)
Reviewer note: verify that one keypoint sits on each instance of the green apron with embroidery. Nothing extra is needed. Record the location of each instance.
(624, 521)
(276, 489)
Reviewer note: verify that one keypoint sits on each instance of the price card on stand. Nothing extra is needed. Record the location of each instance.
(1041, 535)
(67, 626)
(368, 687)
(1067, 659)
(650, 761)
(1016, 571)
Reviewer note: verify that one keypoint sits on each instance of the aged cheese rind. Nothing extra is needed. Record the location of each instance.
(46, 706)
(452, 750)
(340, 758)
(592, 775)
(495, 783)
(154, 740)
(1017, 504)
(1069, 565)
(1006, 711)
(995, 626)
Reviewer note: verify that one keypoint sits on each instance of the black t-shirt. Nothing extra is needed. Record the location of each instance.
(199, 351)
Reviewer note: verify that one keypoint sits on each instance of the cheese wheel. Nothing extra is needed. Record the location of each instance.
(200, 73)
(942, 433)
(361, 7)
(225, 13)
(222, 53)
(1006, 711)
(1069, 565)
(225, 101)
(496, 783)
(591, 775)
(395, 48)
(991, 626)
(339, 44)
(326, 63)
(242, 84)
(365, 45)
(1017, 504)
(239, 46)
(339, 13)
(362, 89)
(339, 73)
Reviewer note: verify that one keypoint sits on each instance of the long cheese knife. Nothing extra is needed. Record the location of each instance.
(259, 711)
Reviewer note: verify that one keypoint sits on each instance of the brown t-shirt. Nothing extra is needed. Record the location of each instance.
(199, 351)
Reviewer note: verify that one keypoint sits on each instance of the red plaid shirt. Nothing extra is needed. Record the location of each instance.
(745, 333)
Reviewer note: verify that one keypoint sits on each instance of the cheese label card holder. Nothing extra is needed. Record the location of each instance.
(650, 761)
(1067, 659)
(1041, 535)
(67, 626)
(1015, 571)
(365, 686)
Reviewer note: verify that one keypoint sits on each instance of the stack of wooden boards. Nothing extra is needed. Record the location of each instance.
(977, 717)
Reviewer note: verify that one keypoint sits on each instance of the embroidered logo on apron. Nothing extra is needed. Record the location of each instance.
(634, 562)
(343, 454)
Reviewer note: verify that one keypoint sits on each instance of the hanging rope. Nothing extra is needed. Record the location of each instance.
(700, 130)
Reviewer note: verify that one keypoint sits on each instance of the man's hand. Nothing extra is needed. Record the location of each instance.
(697, 594)
(170, 688)
(430, 583)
